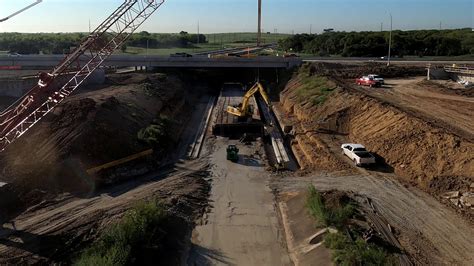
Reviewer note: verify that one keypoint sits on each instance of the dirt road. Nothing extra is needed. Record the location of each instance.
(242, 227)
(54, 229)
(443, 236)
(431, 102)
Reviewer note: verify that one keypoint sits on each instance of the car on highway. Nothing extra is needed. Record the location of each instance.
(290, 55)
(14, 55)
(181, 55)
(358, 154)
(377, 78)
(368, 81)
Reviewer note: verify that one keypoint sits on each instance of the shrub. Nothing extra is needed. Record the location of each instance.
(348, 252)
(119, 245)
(337, 216)
(156, 134)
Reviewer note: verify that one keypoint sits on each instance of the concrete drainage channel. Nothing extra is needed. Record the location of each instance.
(262, 123)
(196, 146)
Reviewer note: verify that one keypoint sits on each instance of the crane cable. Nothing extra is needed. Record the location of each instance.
(21, 10)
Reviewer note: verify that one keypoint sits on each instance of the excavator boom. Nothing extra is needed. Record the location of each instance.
(244, 109)
(51, 90)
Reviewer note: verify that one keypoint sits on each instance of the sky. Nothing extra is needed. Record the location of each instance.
(282, 16)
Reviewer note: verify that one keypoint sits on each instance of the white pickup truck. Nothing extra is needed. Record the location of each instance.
(358, 154)
(377, 78)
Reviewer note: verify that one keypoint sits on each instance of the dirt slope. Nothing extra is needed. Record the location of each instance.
(431, 233)
(419, 151)
(55, 230)
(448, 107)
(91, 128)
(426, 151)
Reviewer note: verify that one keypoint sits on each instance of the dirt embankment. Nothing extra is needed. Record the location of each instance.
(90, 129)
(55, 231)
(418, 151)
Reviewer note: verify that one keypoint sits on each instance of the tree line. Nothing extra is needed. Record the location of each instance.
(375, 44)
(61, 43)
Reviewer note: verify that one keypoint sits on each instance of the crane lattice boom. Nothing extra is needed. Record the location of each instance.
(52, 89)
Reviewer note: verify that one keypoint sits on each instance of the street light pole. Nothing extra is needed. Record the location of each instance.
(259, 30)
(390, 40)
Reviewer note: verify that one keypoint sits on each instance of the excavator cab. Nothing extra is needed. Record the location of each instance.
(245, 109)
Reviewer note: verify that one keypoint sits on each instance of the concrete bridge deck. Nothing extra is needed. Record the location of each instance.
(47, 61)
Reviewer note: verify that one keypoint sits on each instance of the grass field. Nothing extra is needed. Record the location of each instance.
(215, 41)
(240, 38)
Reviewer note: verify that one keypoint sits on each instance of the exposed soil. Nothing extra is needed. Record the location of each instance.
(58, 208)
(56, 230)
(416, 141)
(447, 87)
(418, 151)
(437, 103)
(90, 129)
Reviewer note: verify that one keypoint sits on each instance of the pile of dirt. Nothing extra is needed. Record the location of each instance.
(352, 71)
(418, 151)
(90, 129)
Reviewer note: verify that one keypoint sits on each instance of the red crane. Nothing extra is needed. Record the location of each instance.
(51, 89)
(21, 10)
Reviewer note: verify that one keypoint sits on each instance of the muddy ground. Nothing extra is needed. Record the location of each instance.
(422, 137)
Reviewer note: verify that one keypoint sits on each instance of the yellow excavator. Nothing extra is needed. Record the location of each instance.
(243, 109)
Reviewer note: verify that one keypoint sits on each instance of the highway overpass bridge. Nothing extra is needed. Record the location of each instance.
(49, 61)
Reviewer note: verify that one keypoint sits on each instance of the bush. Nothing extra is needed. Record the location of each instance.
(140, 228)
(348, 252)
(337, 216)
(156, 134)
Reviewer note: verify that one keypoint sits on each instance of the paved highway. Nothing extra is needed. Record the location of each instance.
(348, 60)
(42, 61)
(198, 61)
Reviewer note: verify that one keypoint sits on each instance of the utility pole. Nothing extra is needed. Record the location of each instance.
(147, 47)
(198, 35)
(259, 34)
(440, 26)
(381, 27)
(390, 40)
(311, 29)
